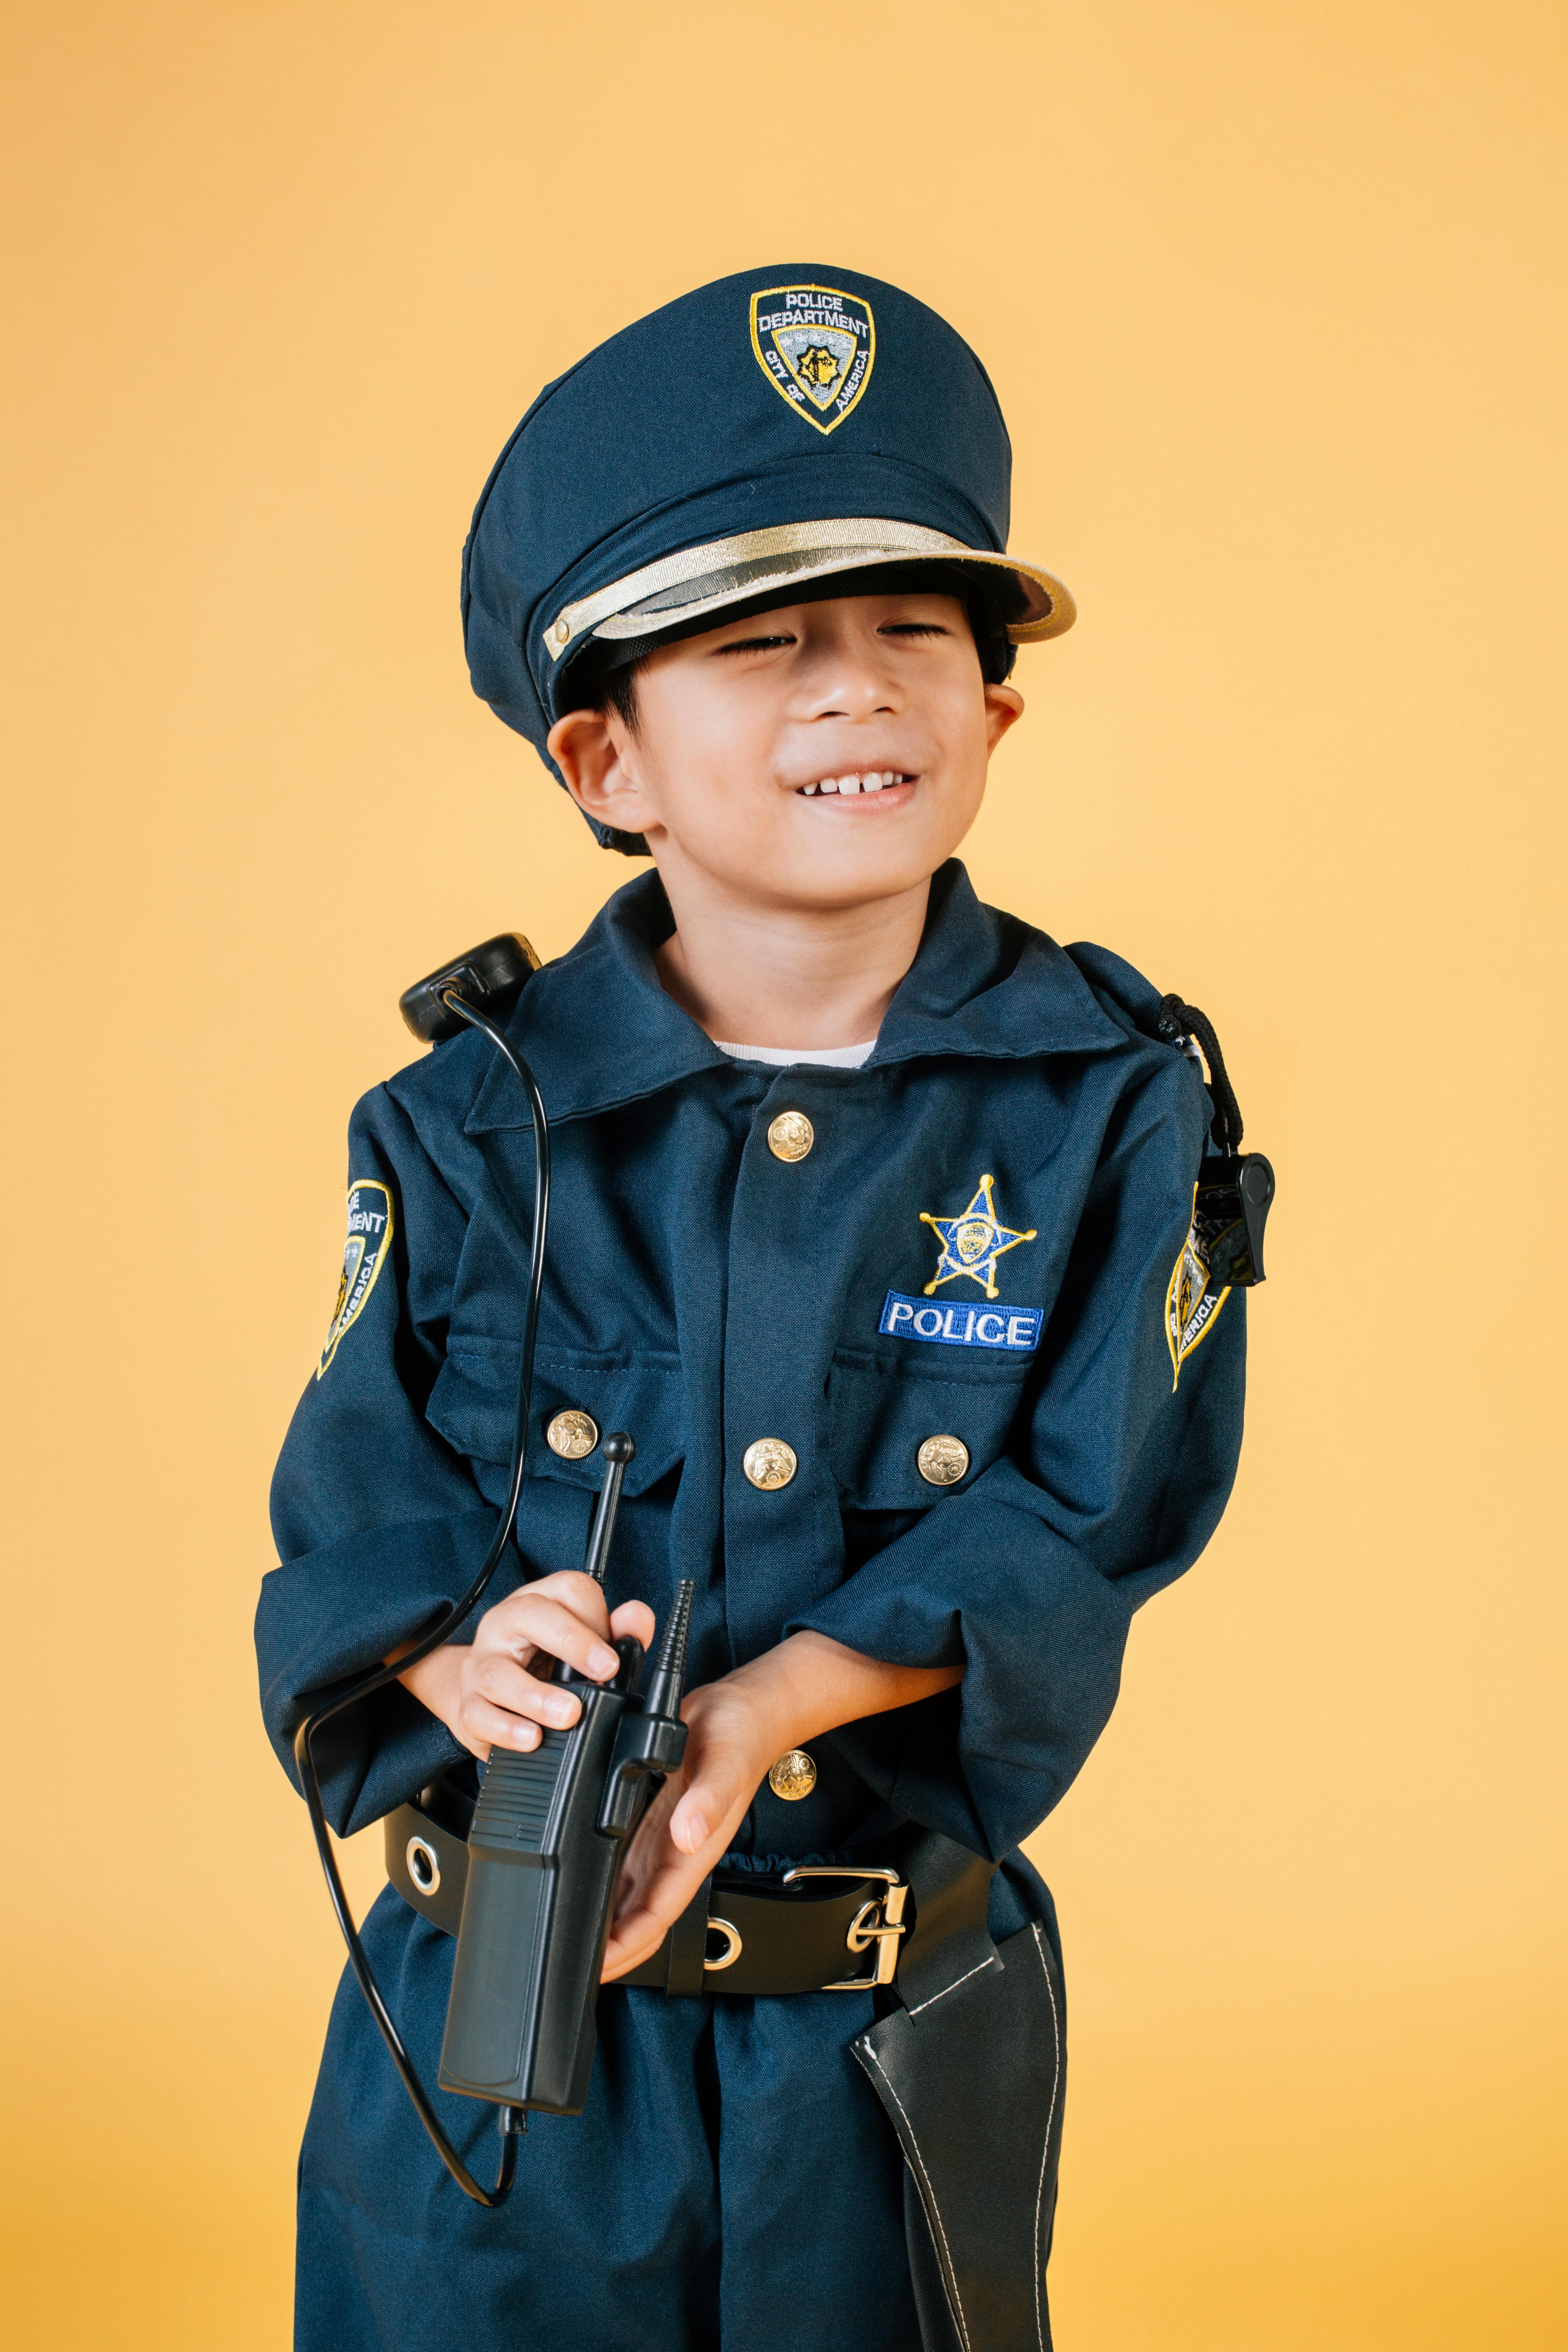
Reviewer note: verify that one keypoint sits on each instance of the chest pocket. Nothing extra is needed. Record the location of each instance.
(882, 1416)
(474, 1400)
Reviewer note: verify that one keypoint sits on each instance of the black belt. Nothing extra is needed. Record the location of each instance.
(813, 1928)
(810, 1929)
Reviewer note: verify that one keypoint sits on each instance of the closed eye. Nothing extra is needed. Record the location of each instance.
(753, 645)
(914, 629)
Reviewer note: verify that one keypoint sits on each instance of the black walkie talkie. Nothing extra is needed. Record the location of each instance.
(543, 1852)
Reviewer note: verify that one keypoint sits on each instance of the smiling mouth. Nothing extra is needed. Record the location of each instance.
(874, 780)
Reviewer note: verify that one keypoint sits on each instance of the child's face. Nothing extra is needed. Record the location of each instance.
(739, 730)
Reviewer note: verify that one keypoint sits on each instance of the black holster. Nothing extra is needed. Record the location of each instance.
(970, 2072)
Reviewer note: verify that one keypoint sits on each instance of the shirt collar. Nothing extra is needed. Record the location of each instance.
(598, 1029)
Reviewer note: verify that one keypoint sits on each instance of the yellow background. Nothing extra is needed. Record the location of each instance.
(1273, 297)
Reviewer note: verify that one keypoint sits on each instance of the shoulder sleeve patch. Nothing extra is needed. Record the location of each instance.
(1192, 1302)
(364, 1253)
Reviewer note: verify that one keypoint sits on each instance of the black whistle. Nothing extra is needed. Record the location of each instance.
(543, 1854)
(1234, 1197)
(1235, 1188)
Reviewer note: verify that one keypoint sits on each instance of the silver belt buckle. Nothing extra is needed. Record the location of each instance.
(879, 1922)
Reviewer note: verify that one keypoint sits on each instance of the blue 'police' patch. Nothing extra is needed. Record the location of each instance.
(960, 1327)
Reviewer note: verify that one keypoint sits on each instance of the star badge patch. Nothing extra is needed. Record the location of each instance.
(972, 1242)
(817, 346)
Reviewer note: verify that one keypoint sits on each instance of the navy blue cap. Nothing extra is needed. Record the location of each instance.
(763, 433)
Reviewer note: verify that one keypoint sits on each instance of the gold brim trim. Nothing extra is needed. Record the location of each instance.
(754, 562)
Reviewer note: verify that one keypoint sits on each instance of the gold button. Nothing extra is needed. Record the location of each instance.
(794, 1776)
(790, 1135)
(571, 1435)
(768, 1462)
(942, 1461)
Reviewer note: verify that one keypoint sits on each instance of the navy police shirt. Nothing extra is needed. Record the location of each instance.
(909, 1353)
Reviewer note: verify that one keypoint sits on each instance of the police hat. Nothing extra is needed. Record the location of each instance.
(770, 431)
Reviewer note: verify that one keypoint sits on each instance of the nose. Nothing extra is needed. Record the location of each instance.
(846, 680)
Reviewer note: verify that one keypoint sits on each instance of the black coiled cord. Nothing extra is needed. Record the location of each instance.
(513, 2119)
(1176, 1020)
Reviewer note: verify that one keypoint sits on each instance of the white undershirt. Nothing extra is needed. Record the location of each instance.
(830, 1057)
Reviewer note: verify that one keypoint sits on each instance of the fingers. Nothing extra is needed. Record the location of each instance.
(650, 1912)
(631, 1941)
(483, 1727)
(636, 1618)
(649, 1909)
(503, 1704)
(655, 1886)
(499, 1685)
(537, 1618)
(584, 1595)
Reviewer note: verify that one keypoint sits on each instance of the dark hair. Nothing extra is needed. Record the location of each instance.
(618, 692)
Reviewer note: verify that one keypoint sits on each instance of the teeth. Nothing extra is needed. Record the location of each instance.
(879, 781)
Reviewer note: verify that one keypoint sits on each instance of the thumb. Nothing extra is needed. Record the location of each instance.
(721, 1781)
(689, 1824)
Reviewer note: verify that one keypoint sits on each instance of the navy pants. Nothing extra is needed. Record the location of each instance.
(732, 2183)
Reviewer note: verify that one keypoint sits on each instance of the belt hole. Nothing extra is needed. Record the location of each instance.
(731, 1943)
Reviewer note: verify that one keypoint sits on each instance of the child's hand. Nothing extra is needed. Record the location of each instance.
(687, 1827)
(736, 1730)
(489, 1693)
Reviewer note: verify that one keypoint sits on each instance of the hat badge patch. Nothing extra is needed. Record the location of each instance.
(816, 345)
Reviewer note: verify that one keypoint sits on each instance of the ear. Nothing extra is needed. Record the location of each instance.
(1004, 706)
(596, 754)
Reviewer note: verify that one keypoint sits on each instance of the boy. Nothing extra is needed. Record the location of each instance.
(874, 1226)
